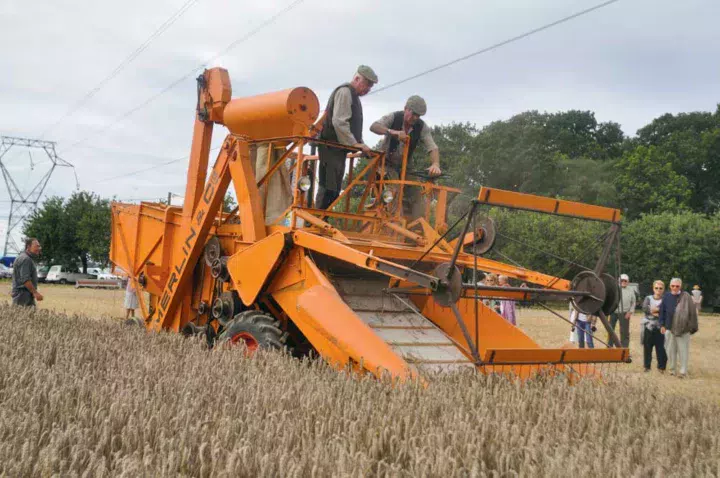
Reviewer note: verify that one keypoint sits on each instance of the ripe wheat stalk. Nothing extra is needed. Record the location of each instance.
(88, 397)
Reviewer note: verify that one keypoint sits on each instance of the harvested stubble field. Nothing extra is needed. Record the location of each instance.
(83, 395)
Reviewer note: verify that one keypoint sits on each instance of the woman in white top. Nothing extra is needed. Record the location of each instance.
(131, 300)
(584, 325)
(650, 334)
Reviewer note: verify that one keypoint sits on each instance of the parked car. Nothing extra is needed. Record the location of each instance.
(63, 275)
(42, 273)
(5, 272)
(103, 274)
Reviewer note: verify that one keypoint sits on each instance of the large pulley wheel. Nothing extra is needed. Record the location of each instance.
(612, 294)
(255, 330)
(486, 239)
(589, 282)
(448, 291)
(213, 251)
(218, 269)
(225, 307)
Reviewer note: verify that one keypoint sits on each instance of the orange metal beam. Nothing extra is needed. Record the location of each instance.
(530, 202)
(252, 217)
(194, 235)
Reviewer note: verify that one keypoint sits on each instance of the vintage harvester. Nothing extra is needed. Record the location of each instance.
(356, 283)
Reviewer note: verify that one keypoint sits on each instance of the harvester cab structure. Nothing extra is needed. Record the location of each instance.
(357, 283)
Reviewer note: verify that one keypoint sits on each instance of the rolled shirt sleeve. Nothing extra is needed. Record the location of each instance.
(386, 121)
(427, 140)
(342, 112)
(25, 271)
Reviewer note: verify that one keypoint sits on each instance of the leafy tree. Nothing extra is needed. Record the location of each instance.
(666, 245)
(73, 231)
(229, 203)
(539, 241)
(692, 140)
(647, 183)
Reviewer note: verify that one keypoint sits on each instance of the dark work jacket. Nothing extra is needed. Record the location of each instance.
(667, 309)
(356, 120)
(415, 132)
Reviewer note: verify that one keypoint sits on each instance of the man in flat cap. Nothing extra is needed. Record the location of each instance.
(343, 124)
(399, 127)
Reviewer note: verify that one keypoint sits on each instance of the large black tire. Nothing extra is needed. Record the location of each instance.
(257, 329)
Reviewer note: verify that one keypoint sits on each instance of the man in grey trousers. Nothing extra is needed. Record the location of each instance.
(25, 279)
(624, 311)
(343, 124)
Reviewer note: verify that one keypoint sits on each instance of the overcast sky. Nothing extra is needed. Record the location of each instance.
(628, 62)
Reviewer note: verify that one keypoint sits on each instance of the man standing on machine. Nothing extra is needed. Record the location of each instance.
(343, 124)
(399, 127)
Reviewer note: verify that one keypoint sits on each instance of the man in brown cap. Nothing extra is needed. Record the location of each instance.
(399, 127)
(343, 124)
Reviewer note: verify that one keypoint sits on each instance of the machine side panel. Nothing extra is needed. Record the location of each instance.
(337, 332)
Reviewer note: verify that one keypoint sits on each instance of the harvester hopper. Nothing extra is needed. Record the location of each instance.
(356, 283)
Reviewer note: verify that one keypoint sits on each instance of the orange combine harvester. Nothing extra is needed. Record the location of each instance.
(356, 283)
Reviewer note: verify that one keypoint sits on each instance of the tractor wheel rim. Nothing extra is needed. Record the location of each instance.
(250, 342)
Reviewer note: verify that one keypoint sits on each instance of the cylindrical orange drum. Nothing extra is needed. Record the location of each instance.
(282, 113)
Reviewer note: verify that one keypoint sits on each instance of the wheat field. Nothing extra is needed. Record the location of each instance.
(82, 395)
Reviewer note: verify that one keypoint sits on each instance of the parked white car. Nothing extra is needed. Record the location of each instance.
(103, 274)
(63, 275)
(5, 272)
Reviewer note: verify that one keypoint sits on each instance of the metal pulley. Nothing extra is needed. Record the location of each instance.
(594, 286)
(485, 239)
(612, 294)
(213, 251)
(219, 270)
(226, 307)
(448, 291)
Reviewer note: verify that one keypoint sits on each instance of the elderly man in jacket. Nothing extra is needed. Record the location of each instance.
(678, 320)
(343, 124)
(624, 311)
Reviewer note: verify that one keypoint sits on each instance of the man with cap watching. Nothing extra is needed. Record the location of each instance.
(399, 127)
(624, 311)
(343, 124)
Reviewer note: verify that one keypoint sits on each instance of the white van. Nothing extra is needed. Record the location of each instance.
(63, 275)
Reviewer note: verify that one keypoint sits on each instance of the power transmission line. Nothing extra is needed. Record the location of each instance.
(159, 31)
(498, 45)
(431, 70)
(190, 73)
(150, 168)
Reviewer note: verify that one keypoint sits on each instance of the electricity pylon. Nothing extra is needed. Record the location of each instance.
(21, 204)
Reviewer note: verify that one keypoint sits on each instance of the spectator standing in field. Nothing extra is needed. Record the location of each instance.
(507, 307)
(25, 279)
(492, 280)
(583, 326)
(131, 300)
(697, 297)
(650, 335)
(624, 311)
(678, 320)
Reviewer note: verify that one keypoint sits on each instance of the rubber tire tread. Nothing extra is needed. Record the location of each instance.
(265, 328)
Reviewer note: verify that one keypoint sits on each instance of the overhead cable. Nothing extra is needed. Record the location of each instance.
(185, 76)
(129, 59)
(497, 45)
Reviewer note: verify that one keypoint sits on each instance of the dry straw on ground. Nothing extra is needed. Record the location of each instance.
(81, 396)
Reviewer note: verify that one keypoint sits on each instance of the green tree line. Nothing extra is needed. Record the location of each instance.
(664, 179)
